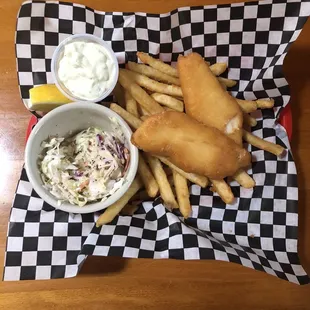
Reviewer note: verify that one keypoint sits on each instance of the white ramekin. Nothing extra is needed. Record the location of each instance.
(58, 54)
(62, 121)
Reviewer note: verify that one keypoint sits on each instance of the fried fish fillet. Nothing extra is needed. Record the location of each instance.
(190, 145)
(205, 100)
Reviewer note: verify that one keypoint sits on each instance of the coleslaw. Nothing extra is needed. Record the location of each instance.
(88, 167)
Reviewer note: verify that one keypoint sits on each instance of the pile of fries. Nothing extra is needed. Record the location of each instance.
(153, 87)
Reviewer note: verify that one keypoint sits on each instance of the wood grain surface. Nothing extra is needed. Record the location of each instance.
(116, 283)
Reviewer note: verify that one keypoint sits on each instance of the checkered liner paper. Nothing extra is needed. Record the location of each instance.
(258, 231)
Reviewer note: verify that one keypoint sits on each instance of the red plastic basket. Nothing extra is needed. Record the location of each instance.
(285, 120)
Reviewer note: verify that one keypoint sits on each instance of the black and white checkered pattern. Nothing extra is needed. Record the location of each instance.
(259, 230)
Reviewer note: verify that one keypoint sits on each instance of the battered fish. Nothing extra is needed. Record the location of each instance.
(205, 100)
(190, 145)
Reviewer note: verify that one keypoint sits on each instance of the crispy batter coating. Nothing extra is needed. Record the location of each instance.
(205, 100)
(190, 145)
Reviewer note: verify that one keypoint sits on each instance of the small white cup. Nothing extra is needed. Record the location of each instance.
(58, 54)
(74, 117)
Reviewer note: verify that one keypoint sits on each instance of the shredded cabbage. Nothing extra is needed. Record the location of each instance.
(87, 167)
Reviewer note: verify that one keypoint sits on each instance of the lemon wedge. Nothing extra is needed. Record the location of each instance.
(46, 97)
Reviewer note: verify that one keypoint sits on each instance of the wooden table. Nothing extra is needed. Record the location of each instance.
(112, 283)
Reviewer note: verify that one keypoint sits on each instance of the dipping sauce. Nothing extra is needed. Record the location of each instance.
(86, 69)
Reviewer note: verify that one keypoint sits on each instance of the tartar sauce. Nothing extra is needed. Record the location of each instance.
(86, 69)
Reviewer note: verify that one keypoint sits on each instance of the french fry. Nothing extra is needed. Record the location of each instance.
(249, 120)
(194, 178)
(265, 103)
(143, 195)
(112, 211)
(148, 91)
(223, 85)
(262, 144)
(131, 104)
(153, 73)
(247, 106)
(227, 82)
(119, 94)
(155, 86)
(133, 121)
(161, 178)
(157, 64)
(244, 179)
(138, 93)
(140, 196)
(182, 192)
(142, 111)
(147, 177)
(224, 191)
(169, 101)
(129, 209)
(144, 117)
(218, 68)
